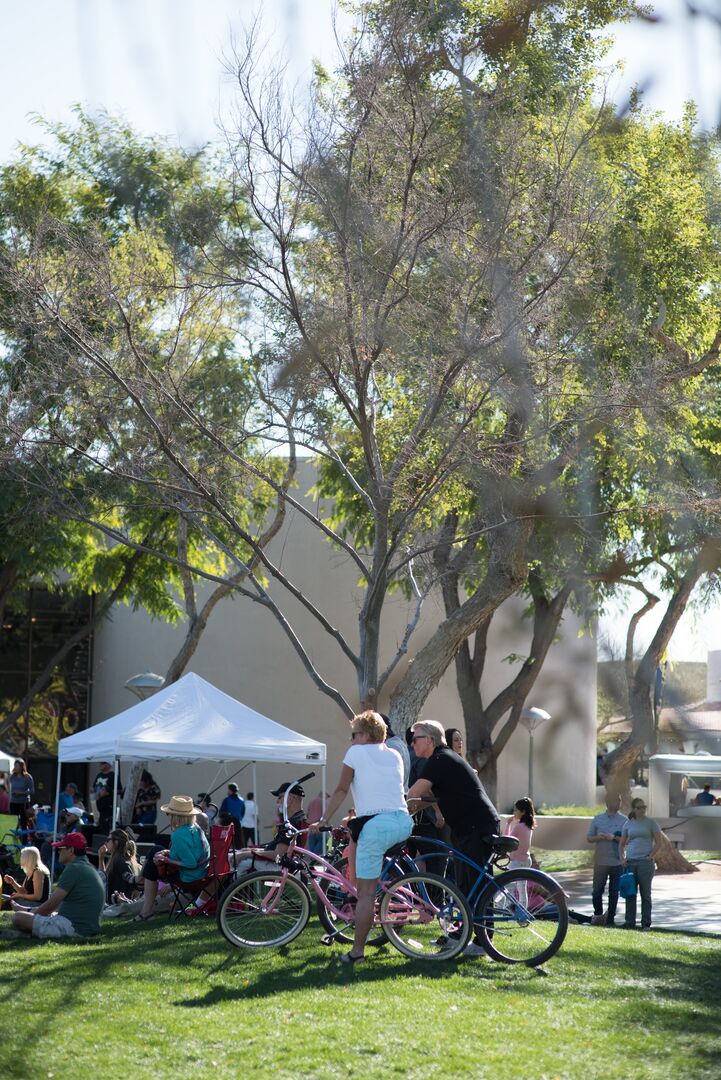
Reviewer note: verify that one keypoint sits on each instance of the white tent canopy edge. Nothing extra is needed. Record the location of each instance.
(190, 720)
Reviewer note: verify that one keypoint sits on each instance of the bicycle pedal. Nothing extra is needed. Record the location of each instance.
(327, 939)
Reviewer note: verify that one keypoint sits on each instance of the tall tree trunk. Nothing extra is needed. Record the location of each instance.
(619, 764)
(506, 571)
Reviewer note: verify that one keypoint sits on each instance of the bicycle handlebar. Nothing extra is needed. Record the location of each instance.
(288, 790)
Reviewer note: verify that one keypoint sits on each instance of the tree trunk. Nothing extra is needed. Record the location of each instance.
(506, 571)
(620, 762)
(670, 861)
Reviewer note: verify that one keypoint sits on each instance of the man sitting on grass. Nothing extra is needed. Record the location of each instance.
(74, 906)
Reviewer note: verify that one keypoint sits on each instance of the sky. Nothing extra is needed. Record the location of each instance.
(160, 63)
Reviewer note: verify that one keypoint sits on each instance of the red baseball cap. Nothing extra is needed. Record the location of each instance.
(74, 840)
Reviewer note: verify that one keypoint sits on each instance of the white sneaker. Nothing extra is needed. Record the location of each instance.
(474, 949)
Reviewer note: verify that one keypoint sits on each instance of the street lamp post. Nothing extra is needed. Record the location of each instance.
(142, 686)
(145, 684)
(531, 719)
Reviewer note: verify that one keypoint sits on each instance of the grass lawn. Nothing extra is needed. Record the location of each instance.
(554, 862)
(164, 1000)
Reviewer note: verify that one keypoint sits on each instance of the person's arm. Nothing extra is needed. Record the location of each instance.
(52, 903)
(421, 791)
(10, 880)
(622, 845)
(31, 785)
(339, 795)
(657, 844)
(103, 857)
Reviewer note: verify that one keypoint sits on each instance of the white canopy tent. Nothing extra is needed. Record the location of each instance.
(188, 721)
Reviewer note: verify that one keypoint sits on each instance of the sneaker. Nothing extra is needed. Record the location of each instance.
(474, 949)
(598, 920)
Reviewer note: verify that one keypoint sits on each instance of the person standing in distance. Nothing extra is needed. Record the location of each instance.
(249, 820)
(463, 802)
(604, 833)
(639, 846)
(22, 789)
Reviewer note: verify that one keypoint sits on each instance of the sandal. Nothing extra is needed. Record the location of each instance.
(143, 918)
(349, 958)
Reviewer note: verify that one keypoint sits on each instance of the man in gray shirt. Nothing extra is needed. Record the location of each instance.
(604, 833)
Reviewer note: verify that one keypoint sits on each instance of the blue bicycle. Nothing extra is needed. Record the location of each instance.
(519, 916)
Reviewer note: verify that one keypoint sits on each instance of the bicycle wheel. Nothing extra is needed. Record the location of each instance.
(341, 929)
(426, 917)
(263, 909)
(522, 917)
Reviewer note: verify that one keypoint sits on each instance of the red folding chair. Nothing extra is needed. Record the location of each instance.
(220, 868)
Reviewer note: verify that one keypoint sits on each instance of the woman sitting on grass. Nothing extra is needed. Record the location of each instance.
(35, 888)
(188, 857)
(118, 862)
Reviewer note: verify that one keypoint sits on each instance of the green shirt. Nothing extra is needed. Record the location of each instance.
(85, 896)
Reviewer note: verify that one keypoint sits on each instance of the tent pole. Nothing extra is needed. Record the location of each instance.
(323, 782)
(255, 800)
(116, 766)
(55, 826)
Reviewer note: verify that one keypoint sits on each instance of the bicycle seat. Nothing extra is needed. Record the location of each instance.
(503, 845)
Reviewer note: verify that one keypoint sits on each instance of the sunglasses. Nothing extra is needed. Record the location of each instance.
(417, 737)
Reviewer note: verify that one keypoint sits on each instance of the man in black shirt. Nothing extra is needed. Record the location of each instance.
(462, 800)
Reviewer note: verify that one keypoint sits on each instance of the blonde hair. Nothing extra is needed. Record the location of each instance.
(176, 820)
(370, 723)
(431, 728)
(30, 861)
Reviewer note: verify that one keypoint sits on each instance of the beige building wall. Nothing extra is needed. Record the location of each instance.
(246, 654)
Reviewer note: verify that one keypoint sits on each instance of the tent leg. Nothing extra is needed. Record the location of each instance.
(55, 826)
(114, 822)
(323, 783)
(255, 800)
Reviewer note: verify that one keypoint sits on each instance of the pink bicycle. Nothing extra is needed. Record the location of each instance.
(422, 915)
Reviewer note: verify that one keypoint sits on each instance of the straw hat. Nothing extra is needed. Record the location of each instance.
(181, 805)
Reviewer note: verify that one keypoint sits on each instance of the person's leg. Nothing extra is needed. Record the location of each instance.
(379, 833)
(150, 891)
(630, 920)
(600, 875)
(363, 914)
(614, 873)
(644, 874)
(23, 920)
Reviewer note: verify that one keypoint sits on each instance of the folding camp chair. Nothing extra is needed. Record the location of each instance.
(220, 869)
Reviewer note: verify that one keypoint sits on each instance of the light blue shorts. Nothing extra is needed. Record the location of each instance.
(380, 833)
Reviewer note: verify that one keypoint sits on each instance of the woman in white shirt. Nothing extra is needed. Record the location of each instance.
(373, 772)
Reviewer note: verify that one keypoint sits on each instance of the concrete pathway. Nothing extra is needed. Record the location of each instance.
(680, 901)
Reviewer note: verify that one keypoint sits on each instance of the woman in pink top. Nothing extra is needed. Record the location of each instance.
(521, 825)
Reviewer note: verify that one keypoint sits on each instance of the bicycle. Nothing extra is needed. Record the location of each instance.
(520, 916)
(423, 916)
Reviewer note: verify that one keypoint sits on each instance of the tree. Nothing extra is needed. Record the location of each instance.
(422, 276)
(145, 205)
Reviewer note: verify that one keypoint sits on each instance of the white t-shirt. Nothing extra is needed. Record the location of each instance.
(248, 821)
(378, 778)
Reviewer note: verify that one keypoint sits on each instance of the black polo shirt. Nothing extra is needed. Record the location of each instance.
(461, 796)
